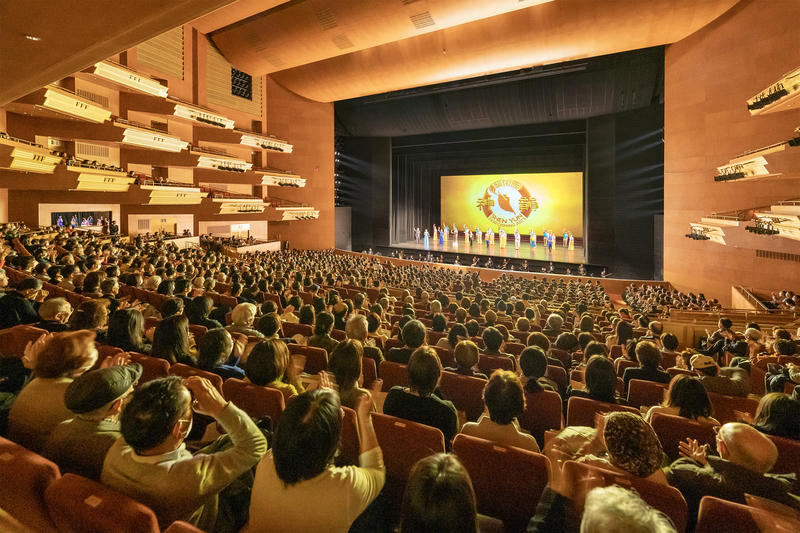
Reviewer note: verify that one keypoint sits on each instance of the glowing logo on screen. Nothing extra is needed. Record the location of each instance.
(507, 203)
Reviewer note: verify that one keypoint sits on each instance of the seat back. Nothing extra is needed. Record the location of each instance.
(316, 358)
(515, 348)
(78, 504)
(621, 364)
(339, 335)
(558, 375)
(24, 477)
(725, 406)
(543, 411)
(489, 363)
(466, 393)
(393, 343)
(393, 374)
(403, 444)
(788, 456)
(290, 329)
(616, 351)
(152, 367)
(13, 340)
(349, 444)
(254, 400)
(561, 355)
(673, 371)
(672, 430)
(369, 370)
(512, 499)
(645, 393)
(717, 516)
(581, 411)
(185, 371)
(433, 337)
(198, 331)
(583, 478)
(446, 356)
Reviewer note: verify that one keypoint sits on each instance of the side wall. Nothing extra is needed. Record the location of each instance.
(708, 77)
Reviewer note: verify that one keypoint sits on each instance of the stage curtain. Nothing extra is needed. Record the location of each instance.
(416, 199)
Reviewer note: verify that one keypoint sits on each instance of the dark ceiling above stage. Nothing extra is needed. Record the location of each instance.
(554, 93)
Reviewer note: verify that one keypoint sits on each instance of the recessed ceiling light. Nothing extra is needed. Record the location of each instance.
(32, 38)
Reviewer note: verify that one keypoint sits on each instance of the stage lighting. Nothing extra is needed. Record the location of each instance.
(698, 234)
(764, 226)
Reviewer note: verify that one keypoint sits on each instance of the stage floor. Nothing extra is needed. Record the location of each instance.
(539, 253)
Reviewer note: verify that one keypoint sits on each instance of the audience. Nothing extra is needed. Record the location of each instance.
(686, 397)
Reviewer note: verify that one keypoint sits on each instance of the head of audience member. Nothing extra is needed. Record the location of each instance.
(472, 328)
(55, 310)
(493, 340)
(307, 315)
(100, 394)
(126, 329)
(439, 322)
(357, 328)
(555, 322)
(533, 363)
(466, 354)
(616, 510)
(584, 339)
(413, 334)
(214, 349)
(158, 416)
(630, 350)
(624, 332)
(784, 347)
(689, 395)
(456, 334)
(172, 307)
(243, 315)
(632, 444)
(474, 310)
(601, 379)
(747, 447)
(439, 497)
(166, 287)
(648, 355)
(67, 354)
(269, 325)
(540, 340)
(669, 341)
(656, 329)
(171, 339)
(779, 415)
(92, 281)
(324, 323)
(461, 315)
(91, 315)
(308, 436)
(199, 308)
(567, 342)
(504, 397)
(424, 371)
(704, 365)
(345, 364)
(267, 362)
(523, 325)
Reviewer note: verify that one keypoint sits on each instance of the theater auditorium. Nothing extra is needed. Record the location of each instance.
(399, 266)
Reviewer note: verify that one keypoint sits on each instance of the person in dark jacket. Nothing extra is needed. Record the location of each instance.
(21, 306)
(649, 357)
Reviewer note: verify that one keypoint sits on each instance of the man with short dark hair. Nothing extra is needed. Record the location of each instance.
(494, 342)
(413, 337)
(21, 306)
(151, 464)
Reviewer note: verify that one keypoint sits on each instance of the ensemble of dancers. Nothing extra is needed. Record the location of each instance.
(88, 221)
(443, 234)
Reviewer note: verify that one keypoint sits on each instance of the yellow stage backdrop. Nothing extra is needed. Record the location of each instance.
(553, 201)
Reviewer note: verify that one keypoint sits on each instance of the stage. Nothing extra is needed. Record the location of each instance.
(540, 253)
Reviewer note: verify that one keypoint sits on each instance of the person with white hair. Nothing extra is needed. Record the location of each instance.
(55, 313)
(152, 283)
(357, 329)
(618, 510)
(554, 323)
(243, 316)
(745, 457)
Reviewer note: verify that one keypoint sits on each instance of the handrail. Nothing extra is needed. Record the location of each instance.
(4, 135)
(751, 297)
(256, 134)
(139, 125)
(275, 170)
(154, 183)
(213, 151)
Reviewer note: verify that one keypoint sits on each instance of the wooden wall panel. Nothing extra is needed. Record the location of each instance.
(708, 78)
(164, 53)
(218, 78)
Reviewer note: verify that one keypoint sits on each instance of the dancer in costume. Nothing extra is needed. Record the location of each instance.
(442, 236)
(60, 222)
(478, 234)
(516, 238)
(446, 232)
(426, 238)
(565, 236)
(532, 237)
(502, 234)
(571, 241)
(489, 237)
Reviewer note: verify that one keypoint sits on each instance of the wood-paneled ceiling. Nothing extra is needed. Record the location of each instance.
(329, 50)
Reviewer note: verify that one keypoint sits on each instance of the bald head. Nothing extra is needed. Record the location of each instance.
(746, 446)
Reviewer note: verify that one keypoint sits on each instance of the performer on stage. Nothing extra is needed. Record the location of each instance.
(565, 236)
(502, 234)
(489, 237)
(416, 235)
(60, 222)
(455, 236)
(582, 270)
(478, 234)
(90, 221)
(442, 236)
(446, 232)
(435, 233)
(532, 238)
(73, 221)
(571, 241)
(516, 238)
(552, 241)
(426, 238)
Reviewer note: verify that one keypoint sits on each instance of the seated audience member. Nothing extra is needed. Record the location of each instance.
(21, 306)
(606, 510)
(745, 458)
(56, 360)
(269, 365)
(357, 328)
(151, 464)
(688, 398)
(92, 316)
(533, 365)
(322, 333)
(297, 474)
(55, 314)
(778, 415)
(413, 337)
(567, 342)
(456, 334)
(540, 340)
(171, 341)
(345, 365)
(80, 445)
(171, 307)
(439, 497)
(197, 311)
(126, 331)
(242, 318)
(504, 397)
(466, 356)
(778, 375)
(374, 328)
(649, 357)
(623, 332)
(108, 291)
(669, 351)
(654, 331)
(755, 347)
(269, 326)
(214, 354)
(418, 403)
(554, 324)
(730, 381)
(601, 381)
(494, 342)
